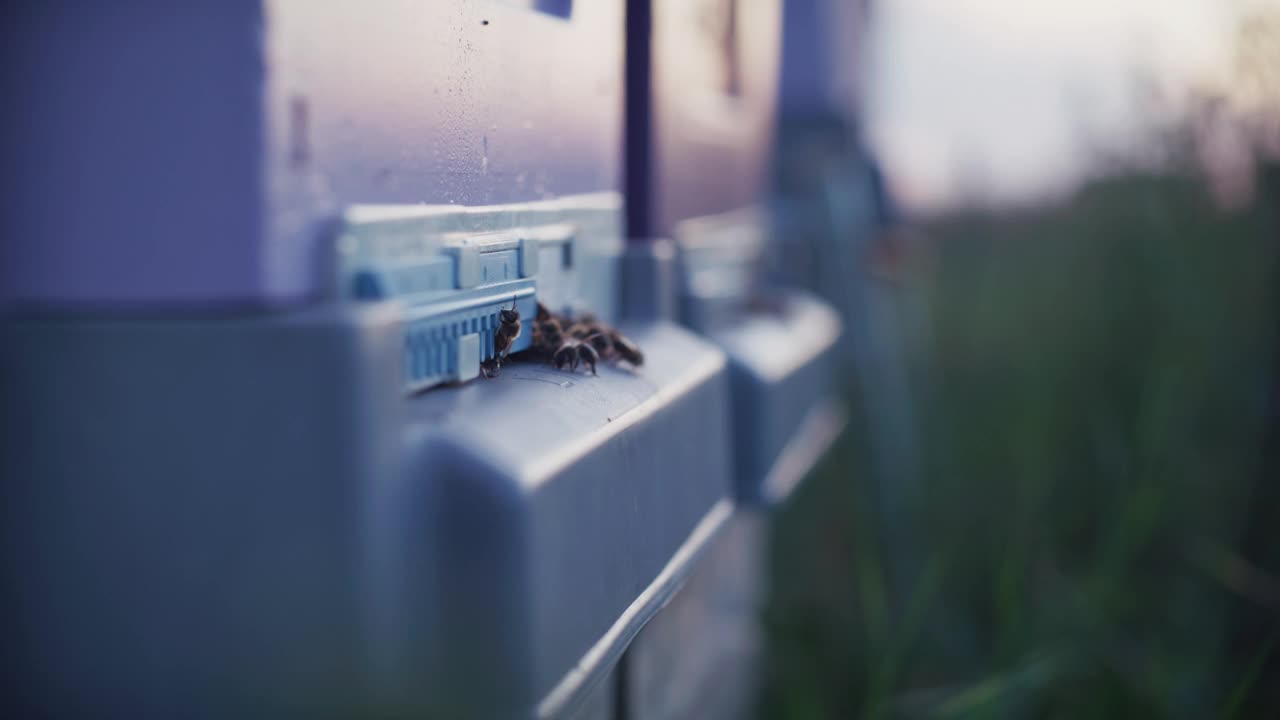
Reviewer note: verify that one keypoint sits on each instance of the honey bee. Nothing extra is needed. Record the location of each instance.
(567, 355)
(550, 333)
(508, 330)
(626, 349)
(589, 357)
(586, 326)
(574, 352)
(603, 346)
(564, 341)
(547, 338)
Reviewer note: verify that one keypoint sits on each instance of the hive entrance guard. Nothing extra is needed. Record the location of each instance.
(452, 269)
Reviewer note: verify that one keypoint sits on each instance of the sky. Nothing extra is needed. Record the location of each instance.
(1003, 99)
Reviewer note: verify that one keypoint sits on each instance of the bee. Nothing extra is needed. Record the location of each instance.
(589, 357)
(600, 341)
(550, 333)
(574, 352)
(586, 326)
(626, 349)
(508, 330)
(563, 341)
(567, 355)
(547, 338)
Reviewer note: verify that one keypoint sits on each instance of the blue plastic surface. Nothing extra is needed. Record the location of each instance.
(188, 512)
(311, 540)
(785, 412)
(195, 153)
(702, 657)
(547, 515)
(780, 345)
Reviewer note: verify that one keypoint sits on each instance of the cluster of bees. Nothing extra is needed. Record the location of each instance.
(562, 341)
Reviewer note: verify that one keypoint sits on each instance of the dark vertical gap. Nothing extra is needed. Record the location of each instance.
(622, 687)
(732, 51)
(637, 128)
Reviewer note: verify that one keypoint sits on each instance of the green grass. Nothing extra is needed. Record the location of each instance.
(1097, 527)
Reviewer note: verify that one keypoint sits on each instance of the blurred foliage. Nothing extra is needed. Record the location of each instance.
(1096, 531)
(1257, 63)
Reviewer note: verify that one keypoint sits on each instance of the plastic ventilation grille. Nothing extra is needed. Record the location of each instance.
(431, 346)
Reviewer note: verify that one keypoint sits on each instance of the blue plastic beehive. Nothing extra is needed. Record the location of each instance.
(780, 345)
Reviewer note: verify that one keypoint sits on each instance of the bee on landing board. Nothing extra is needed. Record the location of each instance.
(578, 330)
(567, 355)
(588, 355)
(574, 352)
(549, 334)
(625, 349)
(508, 330)
(503, 338)
(603, 346)
(564, 341)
